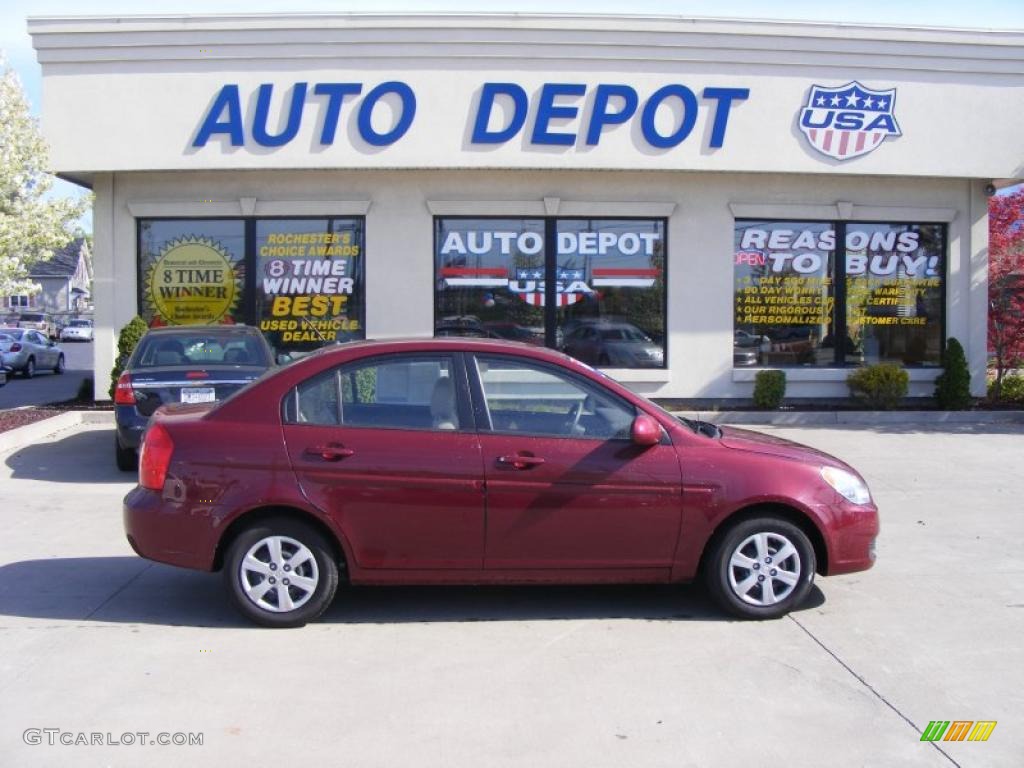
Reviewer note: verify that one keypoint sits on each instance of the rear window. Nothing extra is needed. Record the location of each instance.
(11, 335)
(32, 318)
(190, 349)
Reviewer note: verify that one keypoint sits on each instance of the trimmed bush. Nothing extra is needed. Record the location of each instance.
(879, 387)
(126, 342)
(953, 385)
(1013, 389)
(769, 389)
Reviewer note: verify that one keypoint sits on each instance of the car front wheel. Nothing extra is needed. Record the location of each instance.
(762, 568)
(281, 573)
(59, 367)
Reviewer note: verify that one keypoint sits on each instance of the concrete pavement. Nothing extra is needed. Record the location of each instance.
(94, 639)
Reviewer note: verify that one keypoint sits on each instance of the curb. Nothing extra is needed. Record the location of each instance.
(18, 438)
(874, 418)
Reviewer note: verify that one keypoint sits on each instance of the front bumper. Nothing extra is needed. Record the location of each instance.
(852, 534)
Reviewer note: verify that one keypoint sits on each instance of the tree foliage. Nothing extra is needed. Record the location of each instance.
(1006, 283)
(32, 224)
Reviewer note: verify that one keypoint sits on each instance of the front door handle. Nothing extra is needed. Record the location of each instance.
(520, 461)
(330, 452)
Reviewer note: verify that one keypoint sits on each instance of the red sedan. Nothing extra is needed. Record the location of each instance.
(469, 461)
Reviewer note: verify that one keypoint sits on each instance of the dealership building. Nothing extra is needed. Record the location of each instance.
(680, 202)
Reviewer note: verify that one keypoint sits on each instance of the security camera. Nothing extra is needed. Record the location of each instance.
(990, 189)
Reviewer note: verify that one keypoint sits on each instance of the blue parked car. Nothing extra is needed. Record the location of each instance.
(183, 364)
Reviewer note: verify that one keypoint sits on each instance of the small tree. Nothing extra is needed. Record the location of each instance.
(953, 385)
(126, 343)
(32, 224)
(1006, 283)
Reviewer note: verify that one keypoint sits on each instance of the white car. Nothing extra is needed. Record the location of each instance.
(77, 330)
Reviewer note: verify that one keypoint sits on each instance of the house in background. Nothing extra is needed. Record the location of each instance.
(65, 280)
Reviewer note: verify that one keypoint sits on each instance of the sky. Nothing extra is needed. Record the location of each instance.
(975, 14)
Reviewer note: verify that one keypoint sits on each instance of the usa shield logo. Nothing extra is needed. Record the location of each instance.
(848, 121)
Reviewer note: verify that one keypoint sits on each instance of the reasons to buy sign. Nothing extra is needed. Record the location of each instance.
(788, 276)
(192, 281)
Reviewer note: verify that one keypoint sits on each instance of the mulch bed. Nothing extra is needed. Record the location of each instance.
(19, 417)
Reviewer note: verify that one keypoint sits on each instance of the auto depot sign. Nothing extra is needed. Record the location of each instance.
(557, 118)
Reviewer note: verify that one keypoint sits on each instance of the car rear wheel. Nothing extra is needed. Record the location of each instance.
(59, 367)
(761, 568)
(127, 459)
(281, 573)
(30, 368)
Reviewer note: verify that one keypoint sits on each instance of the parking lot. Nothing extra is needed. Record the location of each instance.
(93, 639)
(47, 387)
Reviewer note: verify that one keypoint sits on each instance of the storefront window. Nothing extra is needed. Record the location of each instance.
(789, 310)
(300, 280)
(192, 271)
(894, 292)
(310, 282)
(607, 300)
(611, 308)
(490, 278)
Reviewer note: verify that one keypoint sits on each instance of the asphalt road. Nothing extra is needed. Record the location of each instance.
(95, 640)
(46, 387)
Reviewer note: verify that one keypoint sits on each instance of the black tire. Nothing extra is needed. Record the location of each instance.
(127, 458)
(603, 360)
(759, 601)
(326, 576)
(59, 367)
(30, 368)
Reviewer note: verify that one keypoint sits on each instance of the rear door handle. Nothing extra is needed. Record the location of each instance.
(330, 452)
(520, 461)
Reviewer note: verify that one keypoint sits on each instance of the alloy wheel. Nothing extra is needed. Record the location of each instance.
(764, 569)
(279, 574)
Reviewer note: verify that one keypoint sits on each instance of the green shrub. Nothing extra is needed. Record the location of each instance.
(1013, 389)
(953, 385)
(769, 389)
(126, 342)
(880, 387)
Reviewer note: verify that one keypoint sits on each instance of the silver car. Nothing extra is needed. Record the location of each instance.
(613, 344)
(28, 351)
(77, 330)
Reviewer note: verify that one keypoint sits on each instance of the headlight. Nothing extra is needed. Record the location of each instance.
(847, 485)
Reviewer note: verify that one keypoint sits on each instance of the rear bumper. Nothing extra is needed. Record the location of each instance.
(162, 530)
(130, 425)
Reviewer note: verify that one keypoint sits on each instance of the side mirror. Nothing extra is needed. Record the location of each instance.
(283, 358)
(645, 431)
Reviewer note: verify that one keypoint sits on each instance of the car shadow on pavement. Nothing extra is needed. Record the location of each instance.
(81, 457)
(134, 591)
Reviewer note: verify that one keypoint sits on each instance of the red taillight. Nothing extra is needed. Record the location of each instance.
(155, 457)
(196, 375)
(15, 347)
(123, 392)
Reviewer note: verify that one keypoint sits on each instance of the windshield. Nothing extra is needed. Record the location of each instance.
(79, 324)
(187, 349)
(32, 318)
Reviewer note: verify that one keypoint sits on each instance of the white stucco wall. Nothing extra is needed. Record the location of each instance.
(400, 262)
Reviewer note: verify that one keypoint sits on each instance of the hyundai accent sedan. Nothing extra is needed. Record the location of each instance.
(471, 461)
